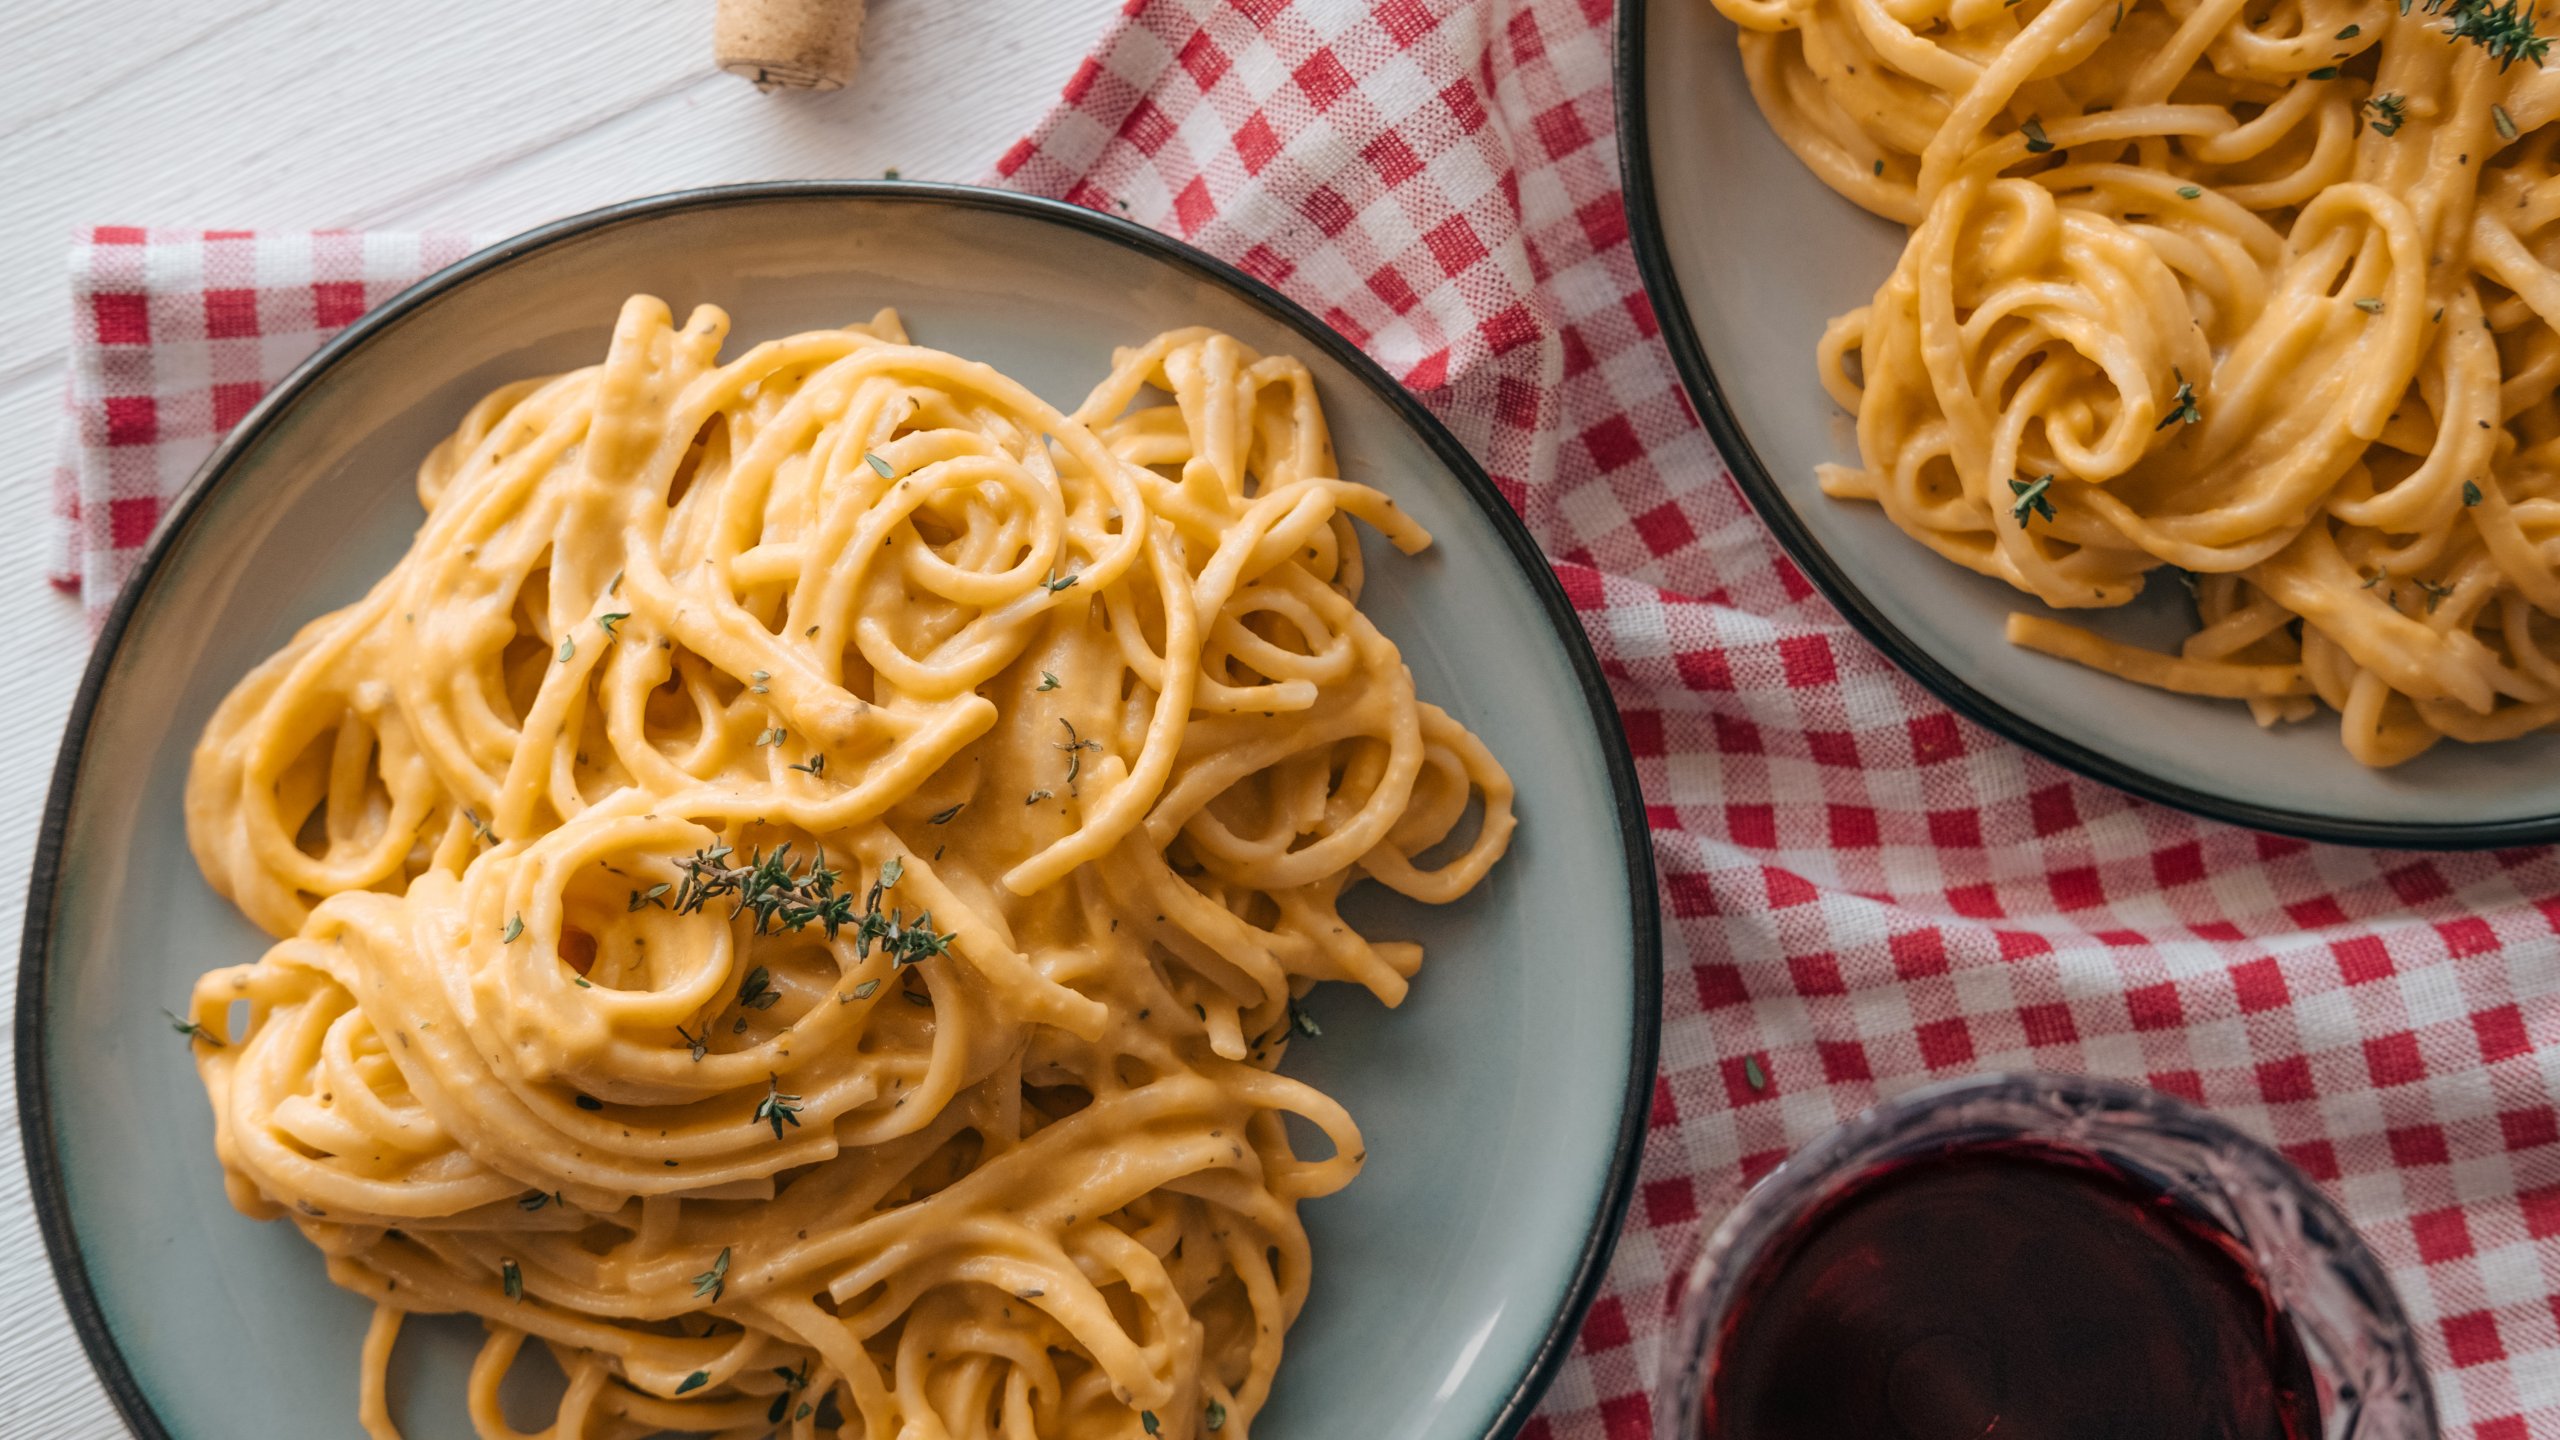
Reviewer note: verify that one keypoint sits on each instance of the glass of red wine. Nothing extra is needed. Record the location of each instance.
(2040, 1257)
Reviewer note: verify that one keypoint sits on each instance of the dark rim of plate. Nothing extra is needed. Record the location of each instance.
(35, 1111)
(1707, 398)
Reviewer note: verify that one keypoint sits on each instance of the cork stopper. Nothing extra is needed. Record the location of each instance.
(789, 44)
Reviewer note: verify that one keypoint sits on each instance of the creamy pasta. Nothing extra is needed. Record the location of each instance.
(2260, 291)
(793, 892)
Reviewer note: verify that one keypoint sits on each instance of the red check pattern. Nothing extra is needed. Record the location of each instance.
(1864, 892)
(175, 335)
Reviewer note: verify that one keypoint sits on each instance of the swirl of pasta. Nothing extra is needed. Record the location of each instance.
(793, 891)
(2264, 293)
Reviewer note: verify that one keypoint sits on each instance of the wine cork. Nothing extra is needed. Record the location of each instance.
(789, 44)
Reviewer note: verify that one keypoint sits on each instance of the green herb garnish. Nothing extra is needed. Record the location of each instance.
(191, 1029)
(2501, 30)
(777, 1107)
(511, 1279)
(1056, 583)
(2031, 500)
(1075, 746)
(711, 1284)
(2506, 124)
(2037, 144)
(2369, 305)
(1217, 1416)
(1753, 1075)
(515, 927)
(887, 471)
(792, 1381)
(606, 623)
(1047, 681)
(2182, 406)
(944, 817)
(568, 647)
(2389, 112)
(768, 888)
(694, 1381)
(2470, 493)
(2189, 192)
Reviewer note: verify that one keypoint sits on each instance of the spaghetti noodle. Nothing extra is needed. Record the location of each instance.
(794, 890)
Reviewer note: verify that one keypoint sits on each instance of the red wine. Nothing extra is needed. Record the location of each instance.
(2007, 1294)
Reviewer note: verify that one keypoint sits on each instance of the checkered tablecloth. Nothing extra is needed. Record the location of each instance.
(1864, 891)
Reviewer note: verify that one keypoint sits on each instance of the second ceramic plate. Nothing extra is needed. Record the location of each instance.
(1746, 256)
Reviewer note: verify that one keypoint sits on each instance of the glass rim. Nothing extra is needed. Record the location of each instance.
(1831, 1162)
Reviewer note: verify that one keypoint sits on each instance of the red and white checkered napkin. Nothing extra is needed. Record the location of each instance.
(1864, 891)
(174, 335)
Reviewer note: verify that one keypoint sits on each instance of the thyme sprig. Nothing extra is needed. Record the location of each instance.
(2389, 111)
(2182, 406)
(1075, 745)
(793, 1381)
(2032, 499)
(767, 887)
(2502, 30)
(777, 1107)
(906, 942)
(711, 1284)
(698, 1044)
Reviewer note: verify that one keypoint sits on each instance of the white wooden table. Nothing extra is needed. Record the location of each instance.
(474, 115)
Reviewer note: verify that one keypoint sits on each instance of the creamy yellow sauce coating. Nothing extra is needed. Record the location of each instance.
(792, 893)
(2265, 289)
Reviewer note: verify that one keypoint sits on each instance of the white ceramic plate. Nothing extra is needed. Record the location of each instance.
(1504, 1104)
(1746, 255)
